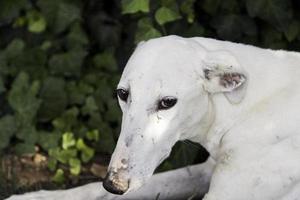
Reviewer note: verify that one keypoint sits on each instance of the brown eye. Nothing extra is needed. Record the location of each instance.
(166, 103)
(122, 94)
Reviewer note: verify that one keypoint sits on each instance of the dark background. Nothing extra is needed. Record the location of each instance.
(60, 61)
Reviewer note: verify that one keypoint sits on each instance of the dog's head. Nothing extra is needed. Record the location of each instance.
(164, 94)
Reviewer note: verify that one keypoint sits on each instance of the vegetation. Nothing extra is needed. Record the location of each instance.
(60, 61)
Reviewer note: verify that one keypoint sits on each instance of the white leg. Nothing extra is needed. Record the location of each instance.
(181, 183)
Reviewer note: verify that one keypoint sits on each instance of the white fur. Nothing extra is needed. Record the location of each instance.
(250, 129)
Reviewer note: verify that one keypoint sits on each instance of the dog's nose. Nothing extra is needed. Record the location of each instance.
(115, 185)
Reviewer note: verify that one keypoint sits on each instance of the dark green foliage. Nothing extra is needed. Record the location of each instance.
(60, 61)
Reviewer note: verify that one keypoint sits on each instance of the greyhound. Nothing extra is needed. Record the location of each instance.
(238, 101)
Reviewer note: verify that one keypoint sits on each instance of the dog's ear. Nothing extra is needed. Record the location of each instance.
(223, 73)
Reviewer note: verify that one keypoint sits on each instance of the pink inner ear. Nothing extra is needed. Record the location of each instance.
(231, 80)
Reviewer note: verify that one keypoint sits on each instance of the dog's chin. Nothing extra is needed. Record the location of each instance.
(135, 184)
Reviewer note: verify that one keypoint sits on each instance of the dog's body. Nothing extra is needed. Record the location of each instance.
(256, 143)
(238, 101)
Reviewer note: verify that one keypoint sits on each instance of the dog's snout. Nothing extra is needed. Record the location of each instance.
(114, 184)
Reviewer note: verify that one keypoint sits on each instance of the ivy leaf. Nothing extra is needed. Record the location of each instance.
(134, 6)
(77, 92)
(187, 7)
(59, 14)
(48, 140)
(181, 155)
(36, 22)
(107, 142)
(32, 61)
(93, 135)
(10, 9)
(67, 120)
(68, 64)
(54, 98)
(59, 176)
(75, 166)
(66, 14)
(90, 106)
(22, 98)
(7, 130)
(113, 113)
(52, 164)
(14, 48)
(164, 15)
(24, 148)
(277, 12)
(63, 155)
(27, 132)
(106, 61)
(77, 38)
(145, 31)
(228, 27)
(68, 140)
(293, 30)
(87, 153)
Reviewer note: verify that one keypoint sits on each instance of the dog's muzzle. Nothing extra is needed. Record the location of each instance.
(114, 184)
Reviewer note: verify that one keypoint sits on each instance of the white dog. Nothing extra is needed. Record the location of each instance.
(240, 102)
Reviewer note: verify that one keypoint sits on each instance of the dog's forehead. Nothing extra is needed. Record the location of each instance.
(165, 63)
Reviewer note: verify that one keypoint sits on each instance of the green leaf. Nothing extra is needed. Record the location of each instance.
(277, 12)
(10, 9)
(20, 22)
(7, 130)
(228, 27)
(66, 14)
(54, 98)
(48, 140)
(32, 61)
(164, 15)
(113, 113)
(272, 38)
(77, 92)
(14, 48)
(211, 6)
(59, 176)
(87, 153)
(90, 106)
(27, 132)
(22, 98)
(182, 155)
(106, 143)
(77, 38)
(36, 22)
(59, 14)
(93, 135)
(67, 120)
(52, 164)
(46, 45)
(134, 6)
(187, 7)
(24, 148)
(63, 155)
(145, 31)
(292, 32)
(68, 140)
(75, 166)
(106, 61)
(67, 64)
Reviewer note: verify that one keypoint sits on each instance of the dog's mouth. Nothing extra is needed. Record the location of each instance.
(114, 184)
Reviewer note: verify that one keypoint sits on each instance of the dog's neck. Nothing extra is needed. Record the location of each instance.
(214, 126)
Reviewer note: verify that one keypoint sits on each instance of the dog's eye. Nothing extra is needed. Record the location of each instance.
(166, 103)
(122, 94)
